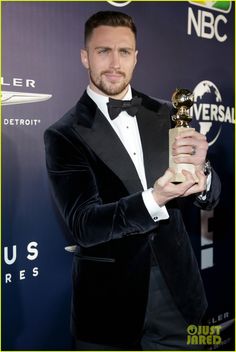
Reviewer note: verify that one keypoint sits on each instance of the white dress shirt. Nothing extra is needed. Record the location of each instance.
(126, 128)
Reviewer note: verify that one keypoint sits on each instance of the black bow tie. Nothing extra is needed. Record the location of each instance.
(116, 106)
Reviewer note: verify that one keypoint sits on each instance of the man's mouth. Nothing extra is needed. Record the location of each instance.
(113, 76)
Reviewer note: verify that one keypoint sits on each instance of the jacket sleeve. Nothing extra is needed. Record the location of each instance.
(212, 196)
(75, 191)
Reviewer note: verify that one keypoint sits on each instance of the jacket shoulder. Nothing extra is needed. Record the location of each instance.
(153, 103)
(66, 120)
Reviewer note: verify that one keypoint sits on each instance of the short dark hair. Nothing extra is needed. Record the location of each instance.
(108, 18)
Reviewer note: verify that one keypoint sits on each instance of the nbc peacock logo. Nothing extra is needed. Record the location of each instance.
(221, 6)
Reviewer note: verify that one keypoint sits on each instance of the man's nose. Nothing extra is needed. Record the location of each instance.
(115, 60)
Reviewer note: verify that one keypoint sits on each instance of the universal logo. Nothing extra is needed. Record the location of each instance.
(208, 24)
(208, 111)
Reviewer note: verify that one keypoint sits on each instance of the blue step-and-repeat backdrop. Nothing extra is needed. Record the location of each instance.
(186, 44)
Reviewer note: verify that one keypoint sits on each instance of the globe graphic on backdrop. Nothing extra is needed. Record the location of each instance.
(206, 92)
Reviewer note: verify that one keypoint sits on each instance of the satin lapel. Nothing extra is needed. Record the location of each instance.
(105, 143)
(153, 128)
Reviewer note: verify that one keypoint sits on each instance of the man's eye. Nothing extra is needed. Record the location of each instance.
(125, 52)
(103, 51)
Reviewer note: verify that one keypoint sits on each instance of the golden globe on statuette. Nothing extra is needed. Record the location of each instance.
(182, 99)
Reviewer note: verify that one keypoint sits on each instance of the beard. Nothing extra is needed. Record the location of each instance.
(109, 88)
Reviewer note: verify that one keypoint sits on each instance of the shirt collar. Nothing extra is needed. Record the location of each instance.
(102, 100)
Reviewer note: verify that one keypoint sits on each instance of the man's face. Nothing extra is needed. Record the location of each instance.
(110, 57)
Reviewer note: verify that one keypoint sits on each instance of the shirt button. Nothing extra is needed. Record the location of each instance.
(155, 218)
(134, 153)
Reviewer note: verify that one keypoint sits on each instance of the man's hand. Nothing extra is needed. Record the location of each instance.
(190, 147)
(164, 190)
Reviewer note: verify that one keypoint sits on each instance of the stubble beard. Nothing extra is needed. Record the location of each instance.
(106, 88)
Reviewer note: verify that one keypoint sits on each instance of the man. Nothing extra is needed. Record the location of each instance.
(136, 284)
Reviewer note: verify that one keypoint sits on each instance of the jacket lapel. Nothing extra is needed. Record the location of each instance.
(153, 129)
(153, 124)
(105, 143)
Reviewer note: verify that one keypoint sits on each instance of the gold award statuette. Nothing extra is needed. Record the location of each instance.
(182, 100)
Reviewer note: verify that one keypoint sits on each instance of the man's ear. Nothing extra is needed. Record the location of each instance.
(136, 57)
(84, 58)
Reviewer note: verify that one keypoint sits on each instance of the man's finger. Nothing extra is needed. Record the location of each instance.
(163, 180)
(192, 134)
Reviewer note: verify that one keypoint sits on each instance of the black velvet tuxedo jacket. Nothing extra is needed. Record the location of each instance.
(99, 195)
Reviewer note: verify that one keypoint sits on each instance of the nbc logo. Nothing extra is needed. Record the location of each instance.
(221, 6)
(208, 24)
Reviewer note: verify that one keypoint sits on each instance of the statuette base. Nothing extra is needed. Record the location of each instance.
(179, 177)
